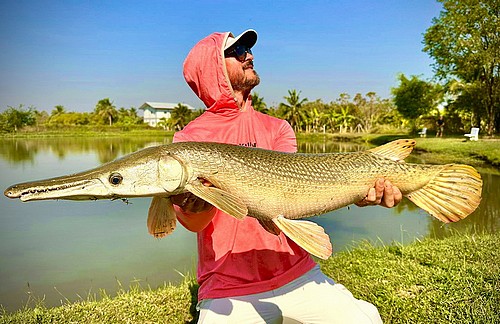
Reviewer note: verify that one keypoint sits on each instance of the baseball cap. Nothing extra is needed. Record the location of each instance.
(248, 38)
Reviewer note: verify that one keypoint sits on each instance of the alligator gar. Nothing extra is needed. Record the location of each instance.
(276, 188)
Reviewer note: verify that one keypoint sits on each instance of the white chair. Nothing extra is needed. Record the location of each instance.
(474, 134)
(423, 133)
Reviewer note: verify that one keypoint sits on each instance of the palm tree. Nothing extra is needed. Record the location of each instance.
(316, 115)
(345, 117)
(292, 110)
(132, 113)
(333, 118)
(122, 115)
(163, 123)
(58, 110)
(181, 115)
(258, 103)
(106, 109)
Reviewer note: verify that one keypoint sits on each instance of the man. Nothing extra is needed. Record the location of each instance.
(440, 126)
(246, 274)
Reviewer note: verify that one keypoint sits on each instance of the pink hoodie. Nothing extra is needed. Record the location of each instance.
(236, 257)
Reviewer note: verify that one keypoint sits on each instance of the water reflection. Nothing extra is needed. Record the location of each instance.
(329, 146)
(79, 247)
(107, 149)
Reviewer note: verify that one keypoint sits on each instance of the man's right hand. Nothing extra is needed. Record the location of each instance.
(191, 203)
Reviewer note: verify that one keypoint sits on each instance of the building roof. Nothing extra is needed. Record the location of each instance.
(163, 105)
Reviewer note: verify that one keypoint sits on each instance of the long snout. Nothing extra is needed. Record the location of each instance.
(76, 187)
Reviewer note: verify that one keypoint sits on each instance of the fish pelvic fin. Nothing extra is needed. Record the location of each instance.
(453, 194)
(161, 217)
(223, 200)
(396, 150)
(308, 235)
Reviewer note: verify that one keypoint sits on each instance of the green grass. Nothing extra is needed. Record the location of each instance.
(484, 151)
(450, 280)
(167, 304)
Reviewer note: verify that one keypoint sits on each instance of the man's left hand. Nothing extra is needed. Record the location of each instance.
(383, 194)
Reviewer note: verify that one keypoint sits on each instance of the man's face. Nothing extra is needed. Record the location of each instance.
(241, 74)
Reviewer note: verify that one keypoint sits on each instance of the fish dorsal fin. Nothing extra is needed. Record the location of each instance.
(223, 200)
(308, 235)
(161, 217)
(396, 150)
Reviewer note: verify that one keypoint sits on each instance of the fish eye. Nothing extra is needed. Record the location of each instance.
(115, 178)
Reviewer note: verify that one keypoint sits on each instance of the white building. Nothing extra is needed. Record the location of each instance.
(155, 111)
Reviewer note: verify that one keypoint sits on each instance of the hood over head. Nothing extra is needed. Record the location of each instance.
(205, 69)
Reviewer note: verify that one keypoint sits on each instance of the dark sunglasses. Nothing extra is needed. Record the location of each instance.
(239, 52)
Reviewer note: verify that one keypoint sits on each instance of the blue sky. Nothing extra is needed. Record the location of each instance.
(74, 53)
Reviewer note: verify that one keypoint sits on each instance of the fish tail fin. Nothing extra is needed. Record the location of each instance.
(453, 194)
(308, 235)
(161, 217)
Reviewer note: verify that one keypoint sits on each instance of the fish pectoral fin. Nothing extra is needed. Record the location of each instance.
(223, 200)
(270, 226)
(308, 235)
(396, 150)
(161, 217)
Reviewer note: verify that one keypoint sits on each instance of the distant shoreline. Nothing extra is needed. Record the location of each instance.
(484, 153)
(104, 131)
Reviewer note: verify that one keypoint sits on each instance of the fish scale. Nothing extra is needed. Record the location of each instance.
(318, 176)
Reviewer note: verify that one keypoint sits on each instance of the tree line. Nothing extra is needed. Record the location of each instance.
(105, 113)
(361, 113)
(414, 105)
(345, 115)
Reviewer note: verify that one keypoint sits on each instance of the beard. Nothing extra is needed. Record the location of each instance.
(245, 81)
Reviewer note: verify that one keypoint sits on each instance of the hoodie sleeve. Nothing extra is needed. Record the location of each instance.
(194, 222)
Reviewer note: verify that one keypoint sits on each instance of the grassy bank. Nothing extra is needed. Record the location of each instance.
(453, 149)
(94, 131)
(485, 152)
(451, 280)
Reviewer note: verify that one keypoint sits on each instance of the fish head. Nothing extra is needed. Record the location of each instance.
(149, 172)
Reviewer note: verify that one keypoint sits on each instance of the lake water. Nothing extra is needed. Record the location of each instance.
(63, 251)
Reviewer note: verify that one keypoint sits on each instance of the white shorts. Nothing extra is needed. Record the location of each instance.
(311, 298)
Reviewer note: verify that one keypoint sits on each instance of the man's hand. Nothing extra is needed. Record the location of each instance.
(383, 194)
(190, 203)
